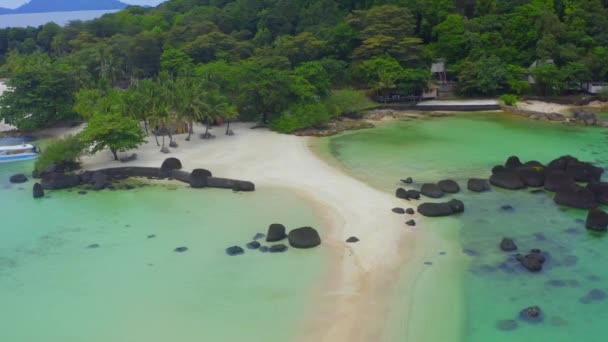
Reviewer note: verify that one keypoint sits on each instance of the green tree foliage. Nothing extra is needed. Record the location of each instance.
(66, 151)
(114, 131)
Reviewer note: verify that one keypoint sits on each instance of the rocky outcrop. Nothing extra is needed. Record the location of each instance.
(431, 190)
(586, 118)
(441, 209)
(580, 171)
(533, 176)
(56, 181)
(597, 220)
(253, 245)
(448, 186)
(478, 185)
(234, 251)
(600, 190)
(558, 179)
(507, 179)
(513, 162)
(407, 194)
(305, 237)
(276, 232)
(18, 178)
(576, 197)
(171, 164)
(38, 190)
(531, 314)
(508, 245)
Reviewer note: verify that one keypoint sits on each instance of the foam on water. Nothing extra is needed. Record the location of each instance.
(492, 288)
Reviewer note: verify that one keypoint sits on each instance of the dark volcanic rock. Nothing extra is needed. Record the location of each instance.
(264, 249)
(305, 237)
(276, 232)
(198, 178)
(456, 205)
(597, 220)
(410, 211)
(435, 209)
(478, 185)
(411, 223)
(38, 191)
(508, 208)
(580, 171)
(277, 248)
(600, 190)
(413, 194)
(398, 210)
(531, 314)
(576, 197)
(258, 236)
(508, 245)
(234, 250)
(407, 194)
(594, 295)
(408, 180)
(448, 186)
(18, 178)
(431, 190)
(531, 176)
(508, 179)
(253, 245)
(55, 181)
(181, 249)
(557, 180)
(171, 164)
(352, 239)
(401, 193)
(533, 262)
(513, 162)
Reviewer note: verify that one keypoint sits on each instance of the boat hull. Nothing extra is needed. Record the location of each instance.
(18, 157)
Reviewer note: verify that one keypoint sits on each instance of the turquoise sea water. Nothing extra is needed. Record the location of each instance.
(135, 287)
(491, 287)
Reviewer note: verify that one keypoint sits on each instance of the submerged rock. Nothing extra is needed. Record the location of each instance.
(508, 245)
(18, 178)
(93, 246)
(264, 249)
(280, 248)
(253, 245)
(597, 220)
(408, 180)
(305, 237)
(531, 314)
(276, 232)
(533, 261)
(258, 236)
(181, 249)
(594, 295)
(478, 185)
(234, 250)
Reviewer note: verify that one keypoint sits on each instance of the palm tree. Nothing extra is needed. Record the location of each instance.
(219, 108)
(189, 104)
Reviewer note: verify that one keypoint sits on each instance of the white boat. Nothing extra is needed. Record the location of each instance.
(17, 153)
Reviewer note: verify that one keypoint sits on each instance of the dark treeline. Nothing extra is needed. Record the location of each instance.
(295, 63)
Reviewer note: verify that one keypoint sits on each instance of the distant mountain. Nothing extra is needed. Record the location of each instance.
(43, 6)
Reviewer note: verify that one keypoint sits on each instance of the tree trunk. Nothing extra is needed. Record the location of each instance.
(228, 127)
(156, 137)
(190, 130)
(146, 126)
(207, 129)
(163, 142)
(114, 153)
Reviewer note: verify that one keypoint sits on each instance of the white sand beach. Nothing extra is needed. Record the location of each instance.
(544, 107)
(361, 276)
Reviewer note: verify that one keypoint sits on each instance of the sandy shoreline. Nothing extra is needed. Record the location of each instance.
(361, 274)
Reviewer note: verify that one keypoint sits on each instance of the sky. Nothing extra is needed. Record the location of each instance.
(17, 3)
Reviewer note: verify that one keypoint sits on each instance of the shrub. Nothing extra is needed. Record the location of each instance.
(300, 116)
(347, 101)
(509, 100)
(66, 151)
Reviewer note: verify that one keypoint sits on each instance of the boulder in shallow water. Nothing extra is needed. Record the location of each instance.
(531, 314)
(410, 211)
(55, 181)
(234, 250)
(576, 197)
(597, 220)
(594, 295)
(508, 245)
(478, 185)
(557, 180)
(18, 178)
(456, 205)
(408, 180)
(276, 232)
(507, 179)
(305, 237)
(533, 261)
(253, 245)
(407, 194)
(431, 190)
(38, 191)
(513, 162)
(264, 249)
(600, 190)
(411, 223)
(280, 248)
(532, 176)
(435, 209)
(171, 164)
(448, 186)
(181, 249)
(400, 211)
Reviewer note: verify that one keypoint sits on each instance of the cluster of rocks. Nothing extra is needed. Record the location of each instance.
(578, 116)
(102, 179)
(561, 176)
(301, 238)
(432, 190)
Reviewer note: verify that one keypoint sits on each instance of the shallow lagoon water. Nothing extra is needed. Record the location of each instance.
(134, 287)
(491, 287)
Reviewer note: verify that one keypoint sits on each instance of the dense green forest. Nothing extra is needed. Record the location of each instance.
(292, 63)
